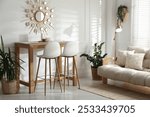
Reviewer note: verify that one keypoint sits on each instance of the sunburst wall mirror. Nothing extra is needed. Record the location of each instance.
(38, 16)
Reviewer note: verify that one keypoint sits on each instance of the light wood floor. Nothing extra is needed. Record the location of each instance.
(72, 93)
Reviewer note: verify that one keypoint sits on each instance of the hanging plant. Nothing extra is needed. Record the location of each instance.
(122, 12)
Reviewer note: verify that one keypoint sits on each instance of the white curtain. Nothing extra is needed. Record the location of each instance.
(141, 23)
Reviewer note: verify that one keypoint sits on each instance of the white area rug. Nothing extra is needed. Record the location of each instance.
(113, 92)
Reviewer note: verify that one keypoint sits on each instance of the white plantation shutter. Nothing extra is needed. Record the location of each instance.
(95, 21)
(141, 23)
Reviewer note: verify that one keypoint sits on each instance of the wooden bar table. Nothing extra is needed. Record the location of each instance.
(31, 47)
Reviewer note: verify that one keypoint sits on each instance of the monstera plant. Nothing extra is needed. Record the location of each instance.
(96, 59)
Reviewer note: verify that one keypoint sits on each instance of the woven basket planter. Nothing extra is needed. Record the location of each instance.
(94, 74)
(10, 87)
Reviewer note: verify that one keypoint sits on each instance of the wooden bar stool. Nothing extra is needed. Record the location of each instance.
(51, 52)
(69, 52)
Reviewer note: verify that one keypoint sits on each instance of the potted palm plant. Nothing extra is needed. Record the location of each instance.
(8, 67)
(96, 59)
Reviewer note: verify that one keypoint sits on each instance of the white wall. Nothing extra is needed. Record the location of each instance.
(11, 16)
(70, 23)
(110, 12)
(68, 14)
(124, 37)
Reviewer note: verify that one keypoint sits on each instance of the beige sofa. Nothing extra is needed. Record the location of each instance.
(129, 67)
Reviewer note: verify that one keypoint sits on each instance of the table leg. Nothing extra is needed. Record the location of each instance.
(17, 51)
(104, 80)
(31, 70)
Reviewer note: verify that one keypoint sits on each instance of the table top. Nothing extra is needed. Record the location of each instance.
(35, 43)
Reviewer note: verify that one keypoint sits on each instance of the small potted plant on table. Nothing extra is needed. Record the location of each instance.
(8, 67)
(96, 59)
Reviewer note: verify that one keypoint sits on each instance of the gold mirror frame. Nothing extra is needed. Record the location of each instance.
(38, 16)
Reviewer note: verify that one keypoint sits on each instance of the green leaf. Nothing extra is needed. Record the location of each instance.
(8, 64)
(2, 44)
(97, 58)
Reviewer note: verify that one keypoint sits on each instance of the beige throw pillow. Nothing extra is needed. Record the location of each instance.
(121, 57)
(135, 61)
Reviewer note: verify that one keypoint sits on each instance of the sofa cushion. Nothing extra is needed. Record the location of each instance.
(138, 49)
(139, 78)
(146, 70)
(121, 57)
(147, 81)
(146, 63)
(135, 61)
(147, 54)
(116, 72)
(109, 70)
